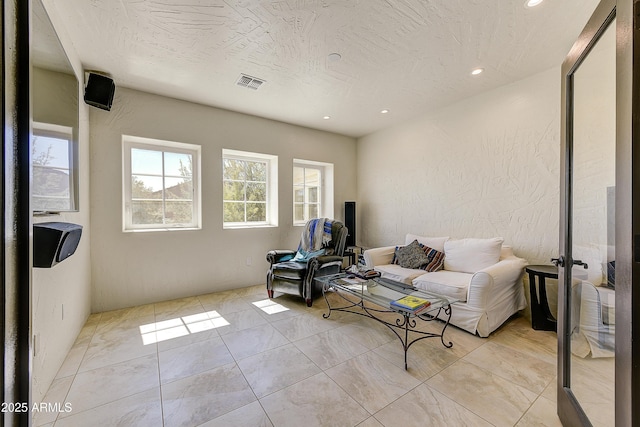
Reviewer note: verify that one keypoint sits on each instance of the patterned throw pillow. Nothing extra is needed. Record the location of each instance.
(411, 256)
(611, 274)
(434, 259)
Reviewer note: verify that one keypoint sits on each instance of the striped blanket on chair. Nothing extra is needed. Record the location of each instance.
(315, 236)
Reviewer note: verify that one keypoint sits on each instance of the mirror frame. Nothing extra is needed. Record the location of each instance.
(569, 410)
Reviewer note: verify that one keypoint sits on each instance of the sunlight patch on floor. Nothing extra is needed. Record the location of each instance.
(173, 328)
(269, 306)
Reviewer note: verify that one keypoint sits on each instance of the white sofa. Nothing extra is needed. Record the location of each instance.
(594, 326)
(595, 320)
(482, 274)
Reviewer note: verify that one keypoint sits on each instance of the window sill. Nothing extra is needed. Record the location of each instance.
(46, 213)
(243, 226)
(148, 230)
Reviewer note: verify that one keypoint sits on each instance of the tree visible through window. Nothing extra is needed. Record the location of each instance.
(312, 190)
(245, 190)
(249, 189)
(52, 171)
(306, 193)
(162, 186)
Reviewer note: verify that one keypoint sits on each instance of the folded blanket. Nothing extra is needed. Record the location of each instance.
(304, 256)
(316, 234)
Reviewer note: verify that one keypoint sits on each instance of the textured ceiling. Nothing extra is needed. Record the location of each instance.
(407, 56)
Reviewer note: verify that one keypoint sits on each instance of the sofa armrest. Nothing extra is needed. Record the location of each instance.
(488, 284)
(280, 255)
(378, 256)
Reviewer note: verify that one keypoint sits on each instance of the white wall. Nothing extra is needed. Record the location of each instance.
(137, 268)
(67, 284)
(486, 166)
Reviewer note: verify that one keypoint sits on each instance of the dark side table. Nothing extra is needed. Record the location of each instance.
(541, 318)
(351, 252)
(351, 255)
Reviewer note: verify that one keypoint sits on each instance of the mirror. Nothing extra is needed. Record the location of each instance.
(54, 100)
(592, 364)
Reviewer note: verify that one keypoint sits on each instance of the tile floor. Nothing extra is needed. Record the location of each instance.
(235, 358)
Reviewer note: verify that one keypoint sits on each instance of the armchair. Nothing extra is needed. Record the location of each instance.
(320, 253)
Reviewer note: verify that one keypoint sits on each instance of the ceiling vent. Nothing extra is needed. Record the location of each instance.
(249, 82)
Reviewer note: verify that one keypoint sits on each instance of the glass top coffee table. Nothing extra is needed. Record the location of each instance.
(373, 297)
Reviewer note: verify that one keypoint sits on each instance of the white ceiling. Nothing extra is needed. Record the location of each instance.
(407, 56)
(46, 50)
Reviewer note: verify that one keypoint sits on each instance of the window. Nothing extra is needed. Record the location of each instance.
(53, 161)
(312, 190)
(249, 189)
(161, 184)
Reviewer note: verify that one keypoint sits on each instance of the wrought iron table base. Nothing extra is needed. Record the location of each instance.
(407, 322)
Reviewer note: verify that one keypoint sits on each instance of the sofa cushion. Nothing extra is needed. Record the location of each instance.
(411, 256)
(471, 255)
(448, 283)
(399, 274)
(436, 243)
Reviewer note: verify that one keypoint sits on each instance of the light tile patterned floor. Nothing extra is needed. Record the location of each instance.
(221, 360)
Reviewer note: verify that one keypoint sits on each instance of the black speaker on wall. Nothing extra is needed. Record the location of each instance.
(99, 91)
(53, 242)
(350, 222)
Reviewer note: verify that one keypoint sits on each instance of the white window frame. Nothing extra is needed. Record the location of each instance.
(272, 187)
(130, 142)
(326, 189)
(66, 133)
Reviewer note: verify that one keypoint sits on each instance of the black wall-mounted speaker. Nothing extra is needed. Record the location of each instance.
(99, 91)
(53, 242)
(350, 222)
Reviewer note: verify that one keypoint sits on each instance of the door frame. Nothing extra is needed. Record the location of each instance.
(627, 212)
(15, 268)
(569, 409)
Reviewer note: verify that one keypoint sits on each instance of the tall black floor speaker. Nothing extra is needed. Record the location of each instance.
(350, 222)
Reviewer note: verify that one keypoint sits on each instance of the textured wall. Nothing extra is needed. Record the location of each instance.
(486, 166)
(144, 267)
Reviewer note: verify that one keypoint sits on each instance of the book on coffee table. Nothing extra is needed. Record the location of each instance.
(411, 303)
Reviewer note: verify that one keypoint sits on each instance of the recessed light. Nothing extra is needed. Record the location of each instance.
(477, 71)
(334, 57)
(533, 3)
(326, 117)
(385, 111)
